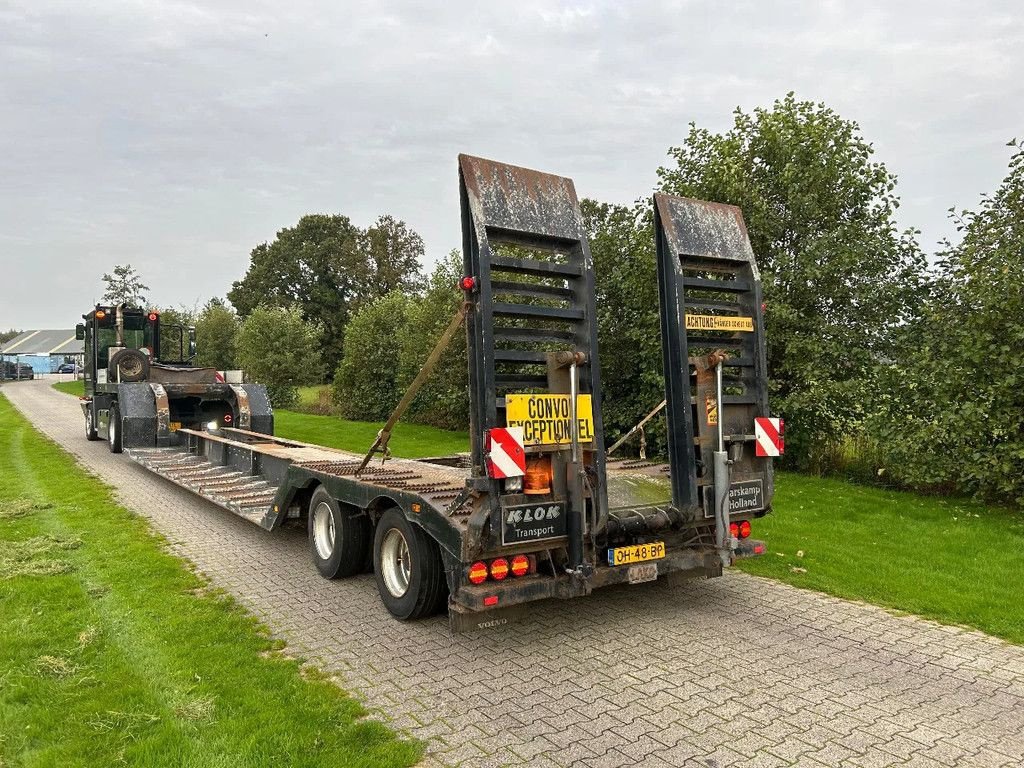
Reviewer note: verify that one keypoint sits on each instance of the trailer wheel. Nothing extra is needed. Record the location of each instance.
(90, 425)
(338, 538)
(114, 439)
(408, 566)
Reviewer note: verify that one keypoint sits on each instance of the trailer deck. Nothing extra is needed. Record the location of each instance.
(231, 470)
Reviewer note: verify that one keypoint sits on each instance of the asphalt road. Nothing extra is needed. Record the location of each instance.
(737, 671)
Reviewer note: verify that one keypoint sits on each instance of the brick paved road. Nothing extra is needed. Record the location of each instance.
(737, 671)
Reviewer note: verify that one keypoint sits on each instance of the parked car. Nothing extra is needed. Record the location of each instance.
(12, 371)
(67, 368)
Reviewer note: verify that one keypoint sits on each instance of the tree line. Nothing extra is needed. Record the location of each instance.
(887, 368)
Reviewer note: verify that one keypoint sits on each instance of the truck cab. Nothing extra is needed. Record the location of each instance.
(141, 386)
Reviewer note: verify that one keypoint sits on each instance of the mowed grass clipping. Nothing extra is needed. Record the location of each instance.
(114, 653)
(952, 560)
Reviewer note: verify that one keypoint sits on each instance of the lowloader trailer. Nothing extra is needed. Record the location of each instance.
(535, 510)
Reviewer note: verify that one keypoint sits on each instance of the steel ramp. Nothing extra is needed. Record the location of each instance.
(248, 496)
(710, 296)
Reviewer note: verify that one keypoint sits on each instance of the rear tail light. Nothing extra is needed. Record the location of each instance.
(520, 565)
(499, 569)
(744, 529)
(478, 572)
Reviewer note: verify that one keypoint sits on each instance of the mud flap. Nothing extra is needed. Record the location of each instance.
(462, 619)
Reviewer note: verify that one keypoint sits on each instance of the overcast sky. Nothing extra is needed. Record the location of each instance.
(177, 135)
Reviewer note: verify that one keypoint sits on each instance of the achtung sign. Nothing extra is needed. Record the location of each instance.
(719, 323)
(545, 418)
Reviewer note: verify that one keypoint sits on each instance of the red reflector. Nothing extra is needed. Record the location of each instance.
(227, 418)
(759, 549)
(499, 569)
(478, 573)
(490, 600)
(744, 529)
(468, 283)
(520, 565)
(734, 530)
(152, 317)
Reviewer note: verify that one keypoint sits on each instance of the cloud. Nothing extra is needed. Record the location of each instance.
(177, 135)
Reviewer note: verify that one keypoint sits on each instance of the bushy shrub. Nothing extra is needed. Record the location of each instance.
(952, 415)
(366, 382)
(444, 399)
(277, 348)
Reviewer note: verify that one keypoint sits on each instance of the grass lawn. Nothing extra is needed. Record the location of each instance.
(951, 560)
(410, 441)
(114, 653)
(73, 387)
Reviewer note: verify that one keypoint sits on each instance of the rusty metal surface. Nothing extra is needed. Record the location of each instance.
(410, 476)
(521, 200)
(244, 414)
(163, 411)
(703, 229)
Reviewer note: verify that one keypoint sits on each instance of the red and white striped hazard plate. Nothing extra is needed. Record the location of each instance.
(506, 456)
(768, 432)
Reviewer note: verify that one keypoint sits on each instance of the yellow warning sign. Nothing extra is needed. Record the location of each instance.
(719, 323)
(711, 409)
(545, 418)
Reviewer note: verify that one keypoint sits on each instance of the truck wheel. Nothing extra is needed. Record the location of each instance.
(338, 537)
(128, 365)
(408, 567)
(114, 439)
(90, 425)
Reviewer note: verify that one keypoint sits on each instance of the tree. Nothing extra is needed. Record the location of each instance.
(6, 336)
(216, 329)
(628, 322)
(840, 281)
(366, 382)
(279, 349)
(444, 399)
(174, 325)
(124, 286)
(955, 403)
(325, 266)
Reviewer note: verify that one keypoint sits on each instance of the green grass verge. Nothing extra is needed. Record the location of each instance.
(73, 387)
(309, 396)
(114, 653)
(411, 441)
(951, 560)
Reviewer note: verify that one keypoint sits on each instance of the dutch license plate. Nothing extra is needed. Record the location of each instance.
(175, 426)
(636, 553)
(638, 574)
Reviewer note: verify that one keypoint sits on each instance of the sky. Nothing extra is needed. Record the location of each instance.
(176, 136)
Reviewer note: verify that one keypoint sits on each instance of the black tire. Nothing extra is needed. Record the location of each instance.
(426, 587)
(114, 438)
(128, 365)
(339, 537)
(90, 425)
